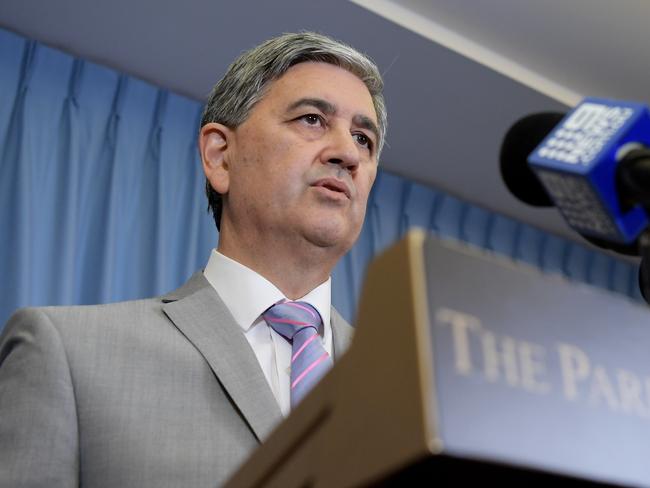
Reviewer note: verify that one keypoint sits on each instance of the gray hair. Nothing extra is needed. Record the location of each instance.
(249, 77)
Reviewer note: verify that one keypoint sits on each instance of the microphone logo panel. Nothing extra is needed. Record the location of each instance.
(584, 133)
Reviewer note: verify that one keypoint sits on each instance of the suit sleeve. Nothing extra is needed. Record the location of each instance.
(38, 418)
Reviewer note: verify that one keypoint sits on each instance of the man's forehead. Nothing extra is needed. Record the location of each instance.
(313, 81)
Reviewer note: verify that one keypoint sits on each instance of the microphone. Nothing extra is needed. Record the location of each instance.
(593, 164)
(579, 165)
(521, 140)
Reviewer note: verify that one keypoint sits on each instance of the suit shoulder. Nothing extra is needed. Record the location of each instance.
(84, 318)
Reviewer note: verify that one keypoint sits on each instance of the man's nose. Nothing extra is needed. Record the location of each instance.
(342, 150)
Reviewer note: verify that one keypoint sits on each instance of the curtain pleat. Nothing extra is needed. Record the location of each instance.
(102, 199)
(14, 186)
(62, 178)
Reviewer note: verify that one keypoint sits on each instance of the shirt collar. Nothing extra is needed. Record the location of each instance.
(247, 294)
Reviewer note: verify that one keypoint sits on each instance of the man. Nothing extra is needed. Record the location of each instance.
(178, 390)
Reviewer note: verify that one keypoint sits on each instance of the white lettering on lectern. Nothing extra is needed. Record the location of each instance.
(574, 365)
(520, 364)
(460, 325)
(631, 389)
(533, 367)
(499, 358)
(622, 392)
(503, 359)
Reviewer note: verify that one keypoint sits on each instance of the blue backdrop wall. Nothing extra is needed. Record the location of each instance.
(101, 195)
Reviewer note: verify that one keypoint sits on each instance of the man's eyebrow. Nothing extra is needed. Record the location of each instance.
(322, 105)
(328, 108)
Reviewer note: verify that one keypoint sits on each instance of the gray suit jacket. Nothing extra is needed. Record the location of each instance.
(163, 392)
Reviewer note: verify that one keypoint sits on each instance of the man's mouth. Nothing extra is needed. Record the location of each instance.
(334, 185)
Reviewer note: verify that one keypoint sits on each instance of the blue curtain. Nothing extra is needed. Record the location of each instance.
(100, 185)
(101, 195)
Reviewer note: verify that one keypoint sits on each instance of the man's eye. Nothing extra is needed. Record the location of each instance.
(363, 140)
(312, 119)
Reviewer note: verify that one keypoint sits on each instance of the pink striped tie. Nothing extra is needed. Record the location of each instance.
(298, 322)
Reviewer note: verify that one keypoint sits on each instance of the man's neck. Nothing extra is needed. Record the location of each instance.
(295, 271)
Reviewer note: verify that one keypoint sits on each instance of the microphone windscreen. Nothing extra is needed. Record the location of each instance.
(520, 140)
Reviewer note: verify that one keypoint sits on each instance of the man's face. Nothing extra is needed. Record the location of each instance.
(303, 163)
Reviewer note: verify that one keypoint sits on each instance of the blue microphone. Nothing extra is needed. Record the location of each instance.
(595, 167)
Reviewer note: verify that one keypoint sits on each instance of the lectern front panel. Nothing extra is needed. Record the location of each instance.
(537, 371)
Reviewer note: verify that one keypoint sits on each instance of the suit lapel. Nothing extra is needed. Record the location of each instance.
(198, 312)
(342, 333)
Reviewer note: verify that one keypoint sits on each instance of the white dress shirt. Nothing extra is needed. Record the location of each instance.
(247, 295)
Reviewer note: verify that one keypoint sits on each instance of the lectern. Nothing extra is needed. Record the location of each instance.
(468, 367)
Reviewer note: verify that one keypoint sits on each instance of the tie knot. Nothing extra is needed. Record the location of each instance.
(288, 318)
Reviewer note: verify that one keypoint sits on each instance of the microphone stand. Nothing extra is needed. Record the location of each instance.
(634, 184)
(644, 267)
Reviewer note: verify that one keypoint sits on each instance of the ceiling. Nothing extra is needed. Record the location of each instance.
(457, 73)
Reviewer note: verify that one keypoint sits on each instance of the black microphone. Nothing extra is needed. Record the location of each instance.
(593, 164)
(521, 140)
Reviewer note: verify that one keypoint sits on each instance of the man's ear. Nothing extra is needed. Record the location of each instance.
(213, 147)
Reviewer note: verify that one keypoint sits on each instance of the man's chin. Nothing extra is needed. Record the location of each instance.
(333, 237)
